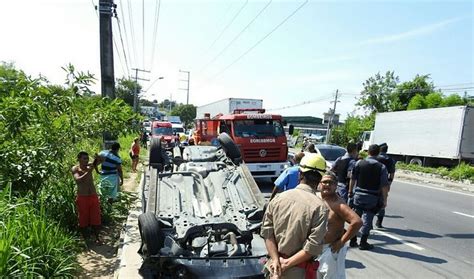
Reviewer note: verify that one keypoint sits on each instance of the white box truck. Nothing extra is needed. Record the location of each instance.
(226, 106)
(438, 136)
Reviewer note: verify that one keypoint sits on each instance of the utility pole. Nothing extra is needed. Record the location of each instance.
(331, 118)
(106, 8)
(187, 88)
(135, 95)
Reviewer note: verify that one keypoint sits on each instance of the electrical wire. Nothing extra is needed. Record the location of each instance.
(237, 36)
(126, 34)
(322, 98)
(227, 26)
(132, 30)
(155, 32)
(123, 47)
(143, 33)
(259, 41)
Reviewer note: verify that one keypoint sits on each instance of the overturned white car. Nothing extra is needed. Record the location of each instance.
(202, 215)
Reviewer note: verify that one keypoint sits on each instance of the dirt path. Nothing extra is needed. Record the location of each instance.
(100, 261)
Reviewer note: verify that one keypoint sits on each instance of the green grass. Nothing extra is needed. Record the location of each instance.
(31, 245)
(38, 232)
(460, 172)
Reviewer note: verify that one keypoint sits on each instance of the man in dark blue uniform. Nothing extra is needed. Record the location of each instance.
(390, 165)
(370, 179)
(341, 168)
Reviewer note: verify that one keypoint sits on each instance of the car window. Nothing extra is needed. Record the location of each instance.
(331, 154)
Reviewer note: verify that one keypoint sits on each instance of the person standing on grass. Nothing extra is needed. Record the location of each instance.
(87, 201)
(111, 175)
(135, 153)
(332, 260)
(390, 165)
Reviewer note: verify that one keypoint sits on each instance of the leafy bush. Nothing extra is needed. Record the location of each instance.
(42, 128)
(30, 244)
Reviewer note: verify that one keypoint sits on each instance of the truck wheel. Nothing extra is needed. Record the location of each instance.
(416, 161)
(150, 233)
(231, 150)
(155, 152)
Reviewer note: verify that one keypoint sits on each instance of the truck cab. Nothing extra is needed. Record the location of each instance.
(163, 129)
(260, 137)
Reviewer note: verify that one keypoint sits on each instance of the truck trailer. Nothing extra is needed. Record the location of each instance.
(428, 137)
(229, 105)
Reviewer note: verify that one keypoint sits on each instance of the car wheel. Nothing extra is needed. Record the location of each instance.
(416, 161)
(230, 148)
(155, 152)
(150, 233)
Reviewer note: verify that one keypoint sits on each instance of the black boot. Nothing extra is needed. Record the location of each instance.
(353, 242)
(364, 245)
(378, 224)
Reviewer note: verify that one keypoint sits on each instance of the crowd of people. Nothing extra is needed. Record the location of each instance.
(304, 225)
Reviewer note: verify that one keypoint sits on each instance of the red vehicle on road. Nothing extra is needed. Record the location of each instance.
(259, 136)
(164, 129)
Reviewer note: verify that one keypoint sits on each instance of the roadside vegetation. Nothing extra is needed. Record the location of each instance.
(42, 128)
(460, 173)
(385, 93)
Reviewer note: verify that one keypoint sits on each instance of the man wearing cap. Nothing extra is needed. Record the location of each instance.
(390, 165)
(294, 225)
(341, 168)
(370, 179)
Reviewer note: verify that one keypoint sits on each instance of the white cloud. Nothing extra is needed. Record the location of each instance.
(427, 29)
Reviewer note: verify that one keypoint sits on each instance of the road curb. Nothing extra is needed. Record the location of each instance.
(129, 262)
(409, 176)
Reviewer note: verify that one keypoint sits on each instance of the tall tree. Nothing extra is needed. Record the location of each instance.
(125, 90)
(187, 113)
(421, 85)
(377, 93)
(453, 100)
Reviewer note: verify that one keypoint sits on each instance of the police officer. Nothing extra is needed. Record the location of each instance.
(390, 165)
(341, 168)
(370, 179)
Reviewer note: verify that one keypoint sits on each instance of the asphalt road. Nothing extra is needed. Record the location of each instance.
(429, 234)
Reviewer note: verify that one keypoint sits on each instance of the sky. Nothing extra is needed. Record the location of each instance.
(293, 54)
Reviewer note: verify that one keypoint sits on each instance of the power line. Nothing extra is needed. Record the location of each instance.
(260, 41)
(125, 33)
(322, 98)
(155, 32)
(132, 30)
(238, 35)
(143, 32)
(123, 46)
(228, 25)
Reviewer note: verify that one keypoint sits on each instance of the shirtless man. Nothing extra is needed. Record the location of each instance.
(87, 201)
(332, 260)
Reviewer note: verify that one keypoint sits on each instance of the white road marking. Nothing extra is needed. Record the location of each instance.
(463, 214)
(434, 187)
(414, 246)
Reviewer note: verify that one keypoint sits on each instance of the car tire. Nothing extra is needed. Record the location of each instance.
(155, 152)
(150, 233)
(230, 148)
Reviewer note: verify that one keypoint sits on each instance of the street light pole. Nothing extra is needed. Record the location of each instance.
(187, 88)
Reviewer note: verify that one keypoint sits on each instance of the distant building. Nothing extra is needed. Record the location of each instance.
(309, 126)
(151, 111)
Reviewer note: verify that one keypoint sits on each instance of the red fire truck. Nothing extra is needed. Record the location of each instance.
(259, 136)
